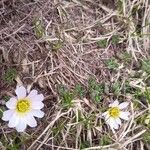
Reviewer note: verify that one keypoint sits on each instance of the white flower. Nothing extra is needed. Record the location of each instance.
(114, 114)
(23, 109)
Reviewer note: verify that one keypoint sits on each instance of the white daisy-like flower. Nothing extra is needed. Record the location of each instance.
(23, 109)
(115, 113)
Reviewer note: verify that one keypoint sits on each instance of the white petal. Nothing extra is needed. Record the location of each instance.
(124, 115)
(33, 93)
(21, 125)
(11, 104)
(114, 104)
(113, 123)
(38, 97)
(106, 115)
(7, 115)
(123, 105)
(30, 120)
(37, 105)
(118, 120)
(14, 120)
(21, 92)
(38, 113)
(116, 126)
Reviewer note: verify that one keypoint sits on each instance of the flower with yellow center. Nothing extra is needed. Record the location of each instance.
(115, 113)
(23, 109)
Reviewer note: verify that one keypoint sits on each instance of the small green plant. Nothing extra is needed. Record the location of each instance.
(112, 64)
(146, 65)
(95, 90)
(115, 39)
(84, 144)
(146, 137)
(120, 6)
(144, 119)
(102, 43)
(105, 140)
(79, 91)
(58, 129)
(126, 57)
(127, 88)
(66, 97)
(147, 95)
(39, 29)
(56, 46)
(16, 144)
(10, 75)
(116, 88)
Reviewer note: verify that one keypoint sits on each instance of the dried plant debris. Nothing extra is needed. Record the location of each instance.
(82, 55)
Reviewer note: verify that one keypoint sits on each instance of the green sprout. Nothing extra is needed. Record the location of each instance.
(146, 137)
(79, 91)
(126, 57)
(10, 75)
(105, 140)
(146, 65)
(116, 88)
(102, 43)
(39, 29)
(95, 90)
(112, 64)
(66, 96)
(115, 39)
(56, 46)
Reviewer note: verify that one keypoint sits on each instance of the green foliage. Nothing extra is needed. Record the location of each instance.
(138, 93)
(85, 120)
(79, 91)
(10, 75)
(88, 120)
(141, 119)
(126, 57)
(112, 64)
(120, 6)
(146, 65)
(16, 144)
(147, 95)
(56, 46)
(115, 39)
(39, 29)
(58, 129)
(105, 140)
(116, 88)
(143, 95)
(67, 99)
(95, 90)
(84, 144)
(146, 137)
(127, 88)
(102, 43)
(144, 119)
(66, 96)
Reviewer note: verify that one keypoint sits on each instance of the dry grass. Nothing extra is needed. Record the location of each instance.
(56, 42)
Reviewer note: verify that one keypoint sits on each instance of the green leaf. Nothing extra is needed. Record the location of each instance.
(102, 43)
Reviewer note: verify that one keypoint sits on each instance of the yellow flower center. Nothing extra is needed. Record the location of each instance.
(114, 112)
(23, 105)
